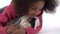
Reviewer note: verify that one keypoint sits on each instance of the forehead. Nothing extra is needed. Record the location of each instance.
(38, 4)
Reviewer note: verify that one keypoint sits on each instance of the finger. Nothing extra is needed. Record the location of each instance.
(19, 31)
(16, 27)
(13, 25)
(13, 28)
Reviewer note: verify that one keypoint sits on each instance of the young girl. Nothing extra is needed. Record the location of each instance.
(31, 8)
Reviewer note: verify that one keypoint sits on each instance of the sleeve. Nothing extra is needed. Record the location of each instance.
(40, 26)
(30, 30)
(4, 18)
(8, 14)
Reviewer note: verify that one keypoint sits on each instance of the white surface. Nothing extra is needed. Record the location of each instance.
(4, 3)
(51, 23)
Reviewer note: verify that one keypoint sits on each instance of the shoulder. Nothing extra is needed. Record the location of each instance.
(9, 10)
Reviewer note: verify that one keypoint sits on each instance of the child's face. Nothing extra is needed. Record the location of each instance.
(35, 8)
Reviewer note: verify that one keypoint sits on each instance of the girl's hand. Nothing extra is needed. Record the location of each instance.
(15, 29)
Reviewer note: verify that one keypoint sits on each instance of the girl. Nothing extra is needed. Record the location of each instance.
(32, 9)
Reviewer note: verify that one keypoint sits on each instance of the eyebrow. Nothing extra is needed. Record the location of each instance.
(36, 7)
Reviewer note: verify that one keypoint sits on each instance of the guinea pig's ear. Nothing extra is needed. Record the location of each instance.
(32, 22)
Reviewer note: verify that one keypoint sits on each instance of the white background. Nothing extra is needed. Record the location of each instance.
(51, 22)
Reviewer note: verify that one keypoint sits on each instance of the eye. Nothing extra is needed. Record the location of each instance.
(33, 8)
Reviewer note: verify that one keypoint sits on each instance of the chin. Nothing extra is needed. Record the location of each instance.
(32, 16)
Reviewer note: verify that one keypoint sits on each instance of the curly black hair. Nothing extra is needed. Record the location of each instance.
(22, 6)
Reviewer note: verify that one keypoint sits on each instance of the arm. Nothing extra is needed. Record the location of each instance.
(5, 17)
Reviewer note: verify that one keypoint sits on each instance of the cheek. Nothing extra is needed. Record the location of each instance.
(37, 13)
(32, 11)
